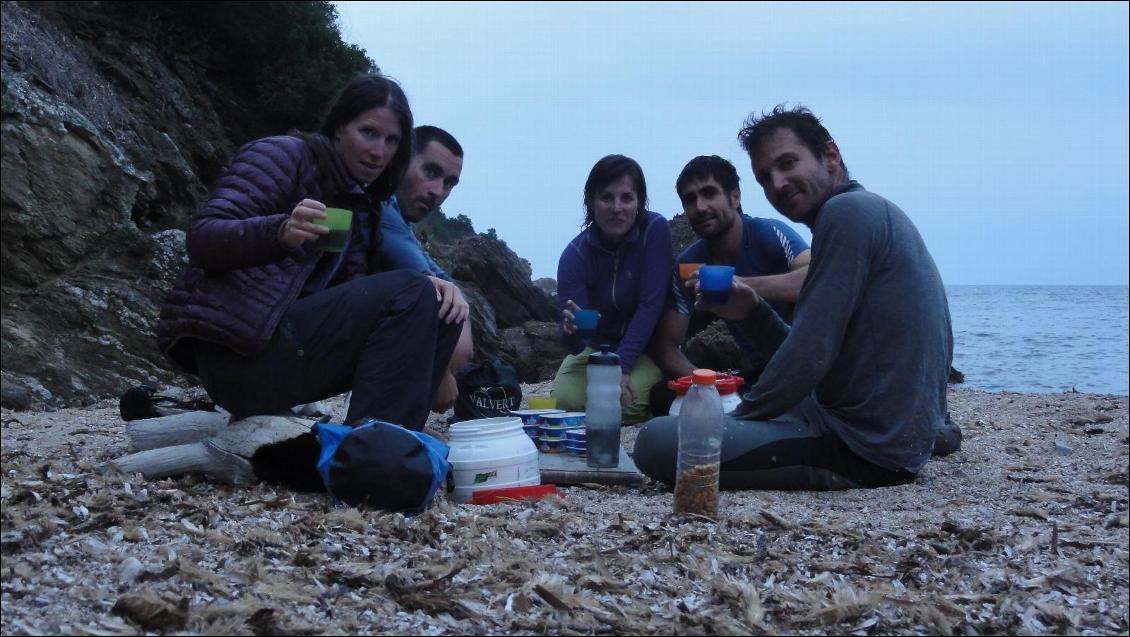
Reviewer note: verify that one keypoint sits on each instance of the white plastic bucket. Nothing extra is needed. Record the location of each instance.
(491, 453)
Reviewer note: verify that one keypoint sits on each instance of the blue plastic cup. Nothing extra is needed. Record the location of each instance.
(715, 283)
(585, 321)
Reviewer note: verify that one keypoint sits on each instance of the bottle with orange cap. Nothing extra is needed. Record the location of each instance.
(700, 447)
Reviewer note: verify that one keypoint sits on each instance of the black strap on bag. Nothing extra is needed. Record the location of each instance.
(487, 390)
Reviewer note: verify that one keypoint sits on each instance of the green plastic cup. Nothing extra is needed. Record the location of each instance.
(338, 220)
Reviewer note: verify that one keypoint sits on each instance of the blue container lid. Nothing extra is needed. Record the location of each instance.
(533, 415)
(564, 419)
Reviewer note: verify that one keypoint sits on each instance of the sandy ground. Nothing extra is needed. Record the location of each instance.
(1023, 531)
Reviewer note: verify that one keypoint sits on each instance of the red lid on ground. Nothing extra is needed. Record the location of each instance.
(513, 494)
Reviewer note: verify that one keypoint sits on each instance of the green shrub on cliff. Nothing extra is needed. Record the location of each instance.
(283, 61)
(440, 228)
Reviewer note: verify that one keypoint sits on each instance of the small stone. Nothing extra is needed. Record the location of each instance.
(129, 570)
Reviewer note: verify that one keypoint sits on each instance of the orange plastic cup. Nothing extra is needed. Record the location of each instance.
(686, 270)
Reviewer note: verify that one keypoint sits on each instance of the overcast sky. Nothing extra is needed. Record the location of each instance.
(1001, 129)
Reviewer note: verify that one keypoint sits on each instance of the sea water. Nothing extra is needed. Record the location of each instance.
(1041, 338)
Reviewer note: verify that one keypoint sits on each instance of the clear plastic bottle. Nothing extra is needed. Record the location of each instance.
(602, 409)
(700, 447)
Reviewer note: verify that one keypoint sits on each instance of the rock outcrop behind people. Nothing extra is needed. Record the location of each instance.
(681, 233)
(116, 118)
(547, 285)
(517, 322)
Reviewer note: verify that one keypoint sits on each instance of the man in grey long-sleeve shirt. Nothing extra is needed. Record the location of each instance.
(856, 390)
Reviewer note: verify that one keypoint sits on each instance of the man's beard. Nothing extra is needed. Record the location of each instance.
(722, 226)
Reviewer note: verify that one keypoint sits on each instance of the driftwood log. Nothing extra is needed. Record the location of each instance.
(178, 429)
(207, 443)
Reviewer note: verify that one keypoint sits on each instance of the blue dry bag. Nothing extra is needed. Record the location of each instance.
(382, 465)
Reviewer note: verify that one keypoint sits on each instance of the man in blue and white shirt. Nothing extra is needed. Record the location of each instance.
(768, 255)
(437, 162)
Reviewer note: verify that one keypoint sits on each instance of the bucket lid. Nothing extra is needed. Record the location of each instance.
(484, 426)
(604, 357)
(513, 494)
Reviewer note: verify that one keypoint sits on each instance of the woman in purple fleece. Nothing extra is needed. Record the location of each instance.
(619, 265)
(267, 319)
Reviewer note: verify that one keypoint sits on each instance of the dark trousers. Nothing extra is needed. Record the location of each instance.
(788, 453)
(378, 336)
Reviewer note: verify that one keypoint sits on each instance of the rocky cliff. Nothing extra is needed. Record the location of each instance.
(106, 146)
(112, 130)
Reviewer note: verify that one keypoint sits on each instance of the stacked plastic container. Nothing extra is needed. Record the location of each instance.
(554, 426)
(532, 421)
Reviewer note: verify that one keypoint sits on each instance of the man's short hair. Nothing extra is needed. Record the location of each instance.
(704, 167)
(801, 121)
(427, 134)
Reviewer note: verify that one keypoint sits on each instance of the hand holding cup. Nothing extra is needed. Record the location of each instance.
(567, 324)
(687, 271)
(302, 224)
(739, 304)
(579, 321)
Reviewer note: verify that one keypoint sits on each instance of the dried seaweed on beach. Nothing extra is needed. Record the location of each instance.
(1022, 531)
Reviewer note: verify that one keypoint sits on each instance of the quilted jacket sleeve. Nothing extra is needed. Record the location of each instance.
(238, 226)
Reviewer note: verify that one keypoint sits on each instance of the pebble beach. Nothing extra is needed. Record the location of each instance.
(1023, 531)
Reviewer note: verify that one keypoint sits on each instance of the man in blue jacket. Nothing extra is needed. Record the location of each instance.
(437, 162)
(855, 392)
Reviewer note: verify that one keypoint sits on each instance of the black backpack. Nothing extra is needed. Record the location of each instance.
(486, 390)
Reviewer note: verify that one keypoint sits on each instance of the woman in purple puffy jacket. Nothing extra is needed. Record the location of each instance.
(268, 319)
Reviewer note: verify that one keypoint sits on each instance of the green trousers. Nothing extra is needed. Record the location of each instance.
(569, 385)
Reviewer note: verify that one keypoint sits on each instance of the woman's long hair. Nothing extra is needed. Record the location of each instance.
(363, 93)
